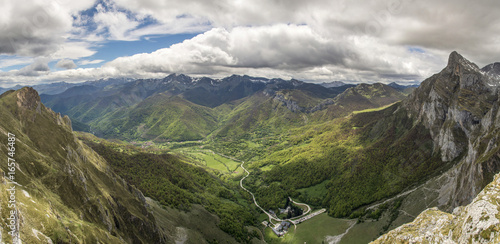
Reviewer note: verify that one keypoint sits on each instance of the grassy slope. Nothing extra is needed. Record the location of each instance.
(357, 98)
(160, 117)
(365, 158)
(258, 116)
(89, 103)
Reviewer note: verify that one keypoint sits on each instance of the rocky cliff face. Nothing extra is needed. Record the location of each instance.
(460, 108)
(65, 192)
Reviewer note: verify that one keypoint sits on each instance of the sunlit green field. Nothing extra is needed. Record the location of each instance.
(210, 159)
(312, 231)
(372, 109)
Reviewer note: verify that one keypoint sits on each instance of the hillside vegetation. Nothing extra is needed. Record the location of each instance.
(177, 184)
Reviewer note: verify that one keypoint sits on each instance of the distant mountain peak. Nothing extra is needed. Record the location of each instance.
(332, 84)
(493, 69)
(395, 84)
(179, 78)
(402, 88)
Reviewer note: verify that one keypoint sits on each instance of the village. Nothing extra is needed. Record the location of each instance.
(281, 228)
(283, 225)
(295, 213)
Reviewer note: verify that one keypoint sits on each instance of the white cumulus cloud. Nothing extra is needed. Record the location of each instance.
(66, 64)
(377, 40)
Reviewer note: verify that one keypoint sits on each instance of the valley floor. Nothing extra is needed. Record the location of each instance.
(321, 228)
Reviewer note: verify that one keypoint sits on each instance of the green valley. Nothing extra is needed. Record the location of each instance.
(260, 127)
(315, 144)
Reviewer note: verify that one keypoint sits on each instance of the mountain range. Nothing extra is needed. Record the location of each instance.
(180, 108)
(56, 88)
(333, 84)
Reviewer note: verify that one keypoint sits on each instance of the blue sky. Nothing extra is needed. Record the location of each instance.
(321, 40)
(115, 49)
(111, 50)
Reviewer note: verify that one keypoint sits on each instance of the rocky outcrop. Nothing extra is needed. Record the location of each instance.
(29, 106)
(321, 105)
(290, 104)
(478, 222)
(27, 98)
(294, 107)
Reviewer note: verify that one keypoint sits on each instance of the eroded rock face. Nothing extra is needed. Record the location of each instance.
(459, 106)
(452, 103)
(28, 98)
(30, 105)
(478, 222)
(291, 105)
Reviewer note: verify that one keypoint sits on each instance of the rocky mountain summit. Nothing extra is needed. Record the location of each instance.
(459, 107)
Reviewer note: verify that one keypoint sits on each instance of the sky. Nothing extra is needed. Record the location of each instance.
(404, 41)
